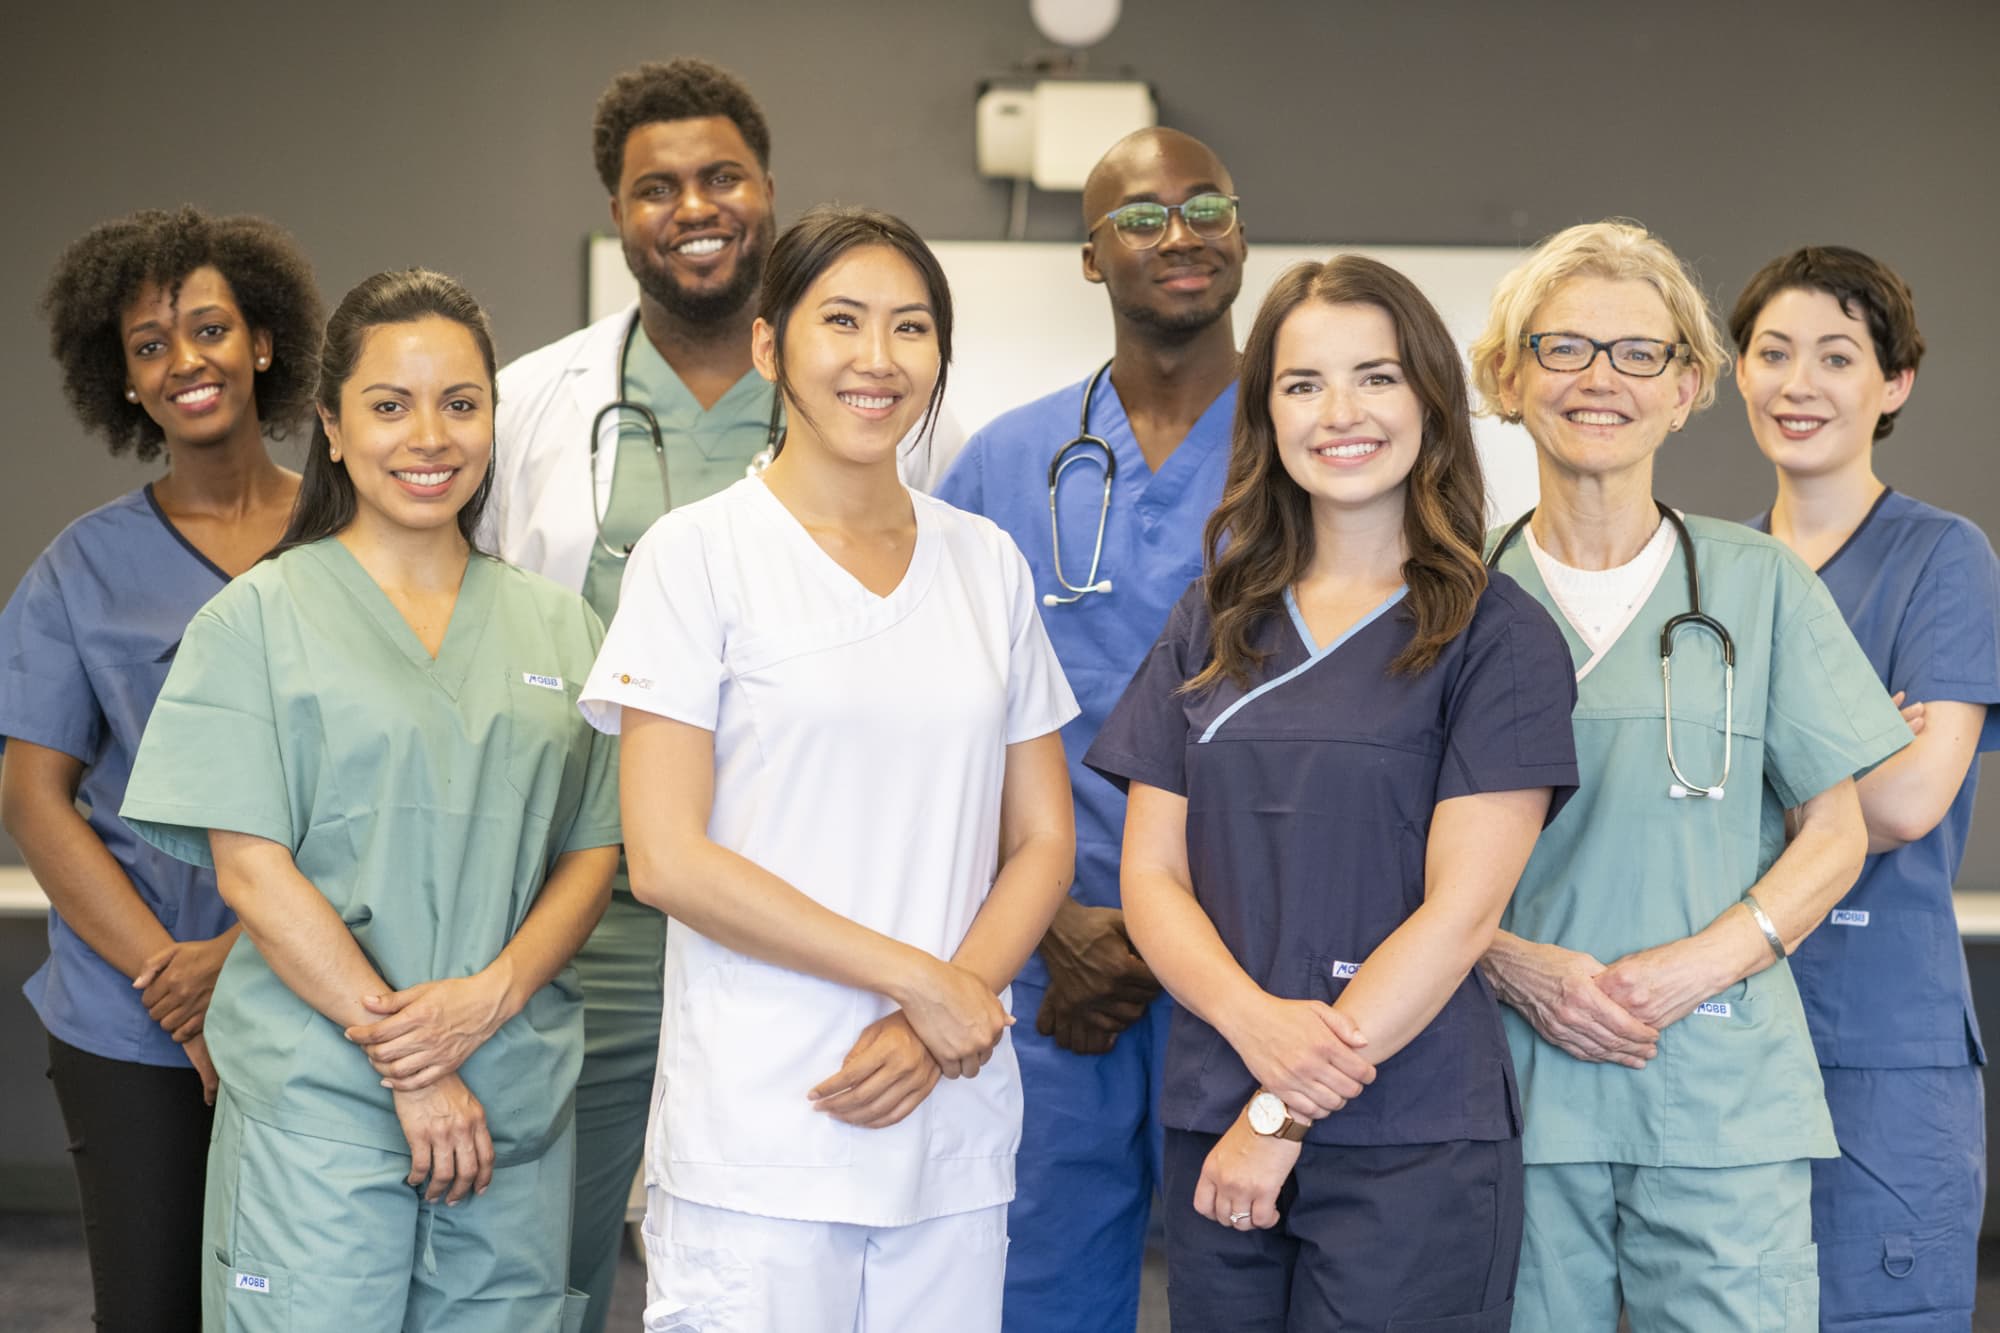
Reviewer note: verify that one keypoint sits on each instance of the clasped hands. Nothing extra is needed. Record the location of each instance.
(1309, 1054)
(175, 985)
(948, 1027)
(1612, 1014)
(417, 1045)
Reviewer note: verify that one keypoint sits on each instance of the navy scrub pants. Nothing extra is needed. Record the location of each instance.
(1417, 1238)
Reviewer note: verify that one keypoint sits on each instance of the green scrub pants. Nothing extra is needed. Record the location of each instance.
(304, 1234)
(1683, 1249)
(620, 969)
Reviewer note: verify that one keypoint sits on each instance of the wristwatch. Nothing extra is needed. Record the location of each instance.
(1268, 1116)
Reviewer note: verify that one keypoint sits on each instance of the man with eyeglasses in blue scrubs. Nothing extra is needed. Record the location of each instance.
(1165, 242)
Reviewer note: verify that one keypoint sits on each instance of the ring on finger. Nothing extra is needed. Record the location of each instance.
(1238, 1219)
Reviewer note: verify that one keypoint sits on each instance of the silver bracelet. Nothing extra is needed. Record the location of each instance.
(1763, 920)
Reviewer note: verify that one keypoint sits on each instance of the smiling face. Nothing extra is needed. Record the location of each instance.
(1813, 386)
(1347, 423)
(1185, 283)
(1598, 421)
(694, 215)
(191, 359)
(415, 430)
(860, 356)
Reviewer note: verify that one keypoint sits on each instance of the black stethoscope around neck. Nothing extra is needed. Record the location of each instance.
(1694, 617)
(1083, 446)
(618, 408)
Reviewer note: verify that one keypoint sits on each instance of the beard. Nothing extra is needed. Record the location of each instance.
(704, 308)
(1183, 321)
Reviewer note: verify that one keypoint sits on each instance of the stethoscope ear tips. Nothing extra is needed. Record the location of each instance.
(1103, 586)
(1680, 793)
(1050, 599)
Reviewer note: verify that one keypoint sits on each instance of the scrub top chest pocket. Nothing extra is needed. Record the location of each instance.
(539, 731)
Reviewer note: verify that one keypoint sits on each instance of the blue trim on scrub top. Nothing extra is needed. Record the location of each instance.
(1313, 655)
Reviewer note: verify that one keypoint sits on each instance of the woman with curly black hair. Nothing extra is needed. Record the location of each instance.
(196, 337)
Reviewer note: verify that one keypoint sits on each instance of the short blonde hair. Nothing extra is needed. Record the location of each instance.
(1615, 249)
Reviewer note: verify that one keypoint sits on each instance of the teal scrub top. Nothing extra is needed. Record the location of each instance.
(707, 449)
(1624, 867)
(427, 799)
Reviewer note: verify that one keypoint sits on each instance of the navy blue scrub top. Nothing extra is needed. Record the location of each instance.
(1307, 856)
(1883, 978)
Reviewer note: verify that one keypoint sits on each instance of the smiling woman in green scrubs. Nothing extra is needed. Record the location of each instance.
(1671, 1093)
(373, 736)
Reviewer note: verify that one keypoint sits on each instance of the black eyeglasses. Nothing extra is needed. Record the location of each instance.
(1641, 358)
(1144, 225)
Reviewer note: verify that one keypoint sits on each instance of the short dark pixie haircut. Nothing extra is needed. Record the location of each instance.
(684, 88)
(1867, 289)
(101, 273)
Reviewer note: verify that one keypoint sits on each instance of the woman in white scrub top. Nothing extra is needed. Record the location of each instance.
(839, 713)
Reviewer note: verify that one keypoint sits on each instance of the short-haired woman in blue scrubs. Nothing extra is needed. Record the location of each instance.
(192, 337)
(373, 737)
(1673, 1101)
(1339, 755)
(1827, 350)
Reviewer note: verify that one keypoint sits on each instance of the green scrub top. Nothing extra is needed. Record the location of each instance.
(1624, 867)
(426, 799)
(707, 449)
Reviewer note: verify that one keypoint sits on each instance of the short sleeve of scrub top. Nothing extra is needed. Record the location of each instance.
(44, 699)
(1311, 794)
(1948, 645)
(222, 720)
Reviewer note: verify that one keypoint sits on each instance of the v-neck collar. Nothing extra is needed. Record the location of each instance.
(650, 379)
(1111, 422)
(1314, 654)
(461, 636)
(181, 537)
(1529, 575)
(1859, 528)
(923, 555)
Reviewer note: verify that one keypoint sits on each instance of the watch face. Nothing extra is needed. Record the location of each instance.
(1267, 1113)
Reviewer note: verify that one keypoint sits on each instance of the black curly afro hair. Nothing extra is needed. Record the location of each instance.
(101, 273)
(684, 88)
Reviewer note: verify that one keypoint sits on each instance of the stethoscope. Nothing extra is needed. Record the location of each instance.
(621, 405)
(1680, 788)
(1076, 451)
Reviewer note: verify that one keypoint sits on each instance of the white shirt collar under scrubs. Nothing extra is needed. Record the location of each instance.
(860, 744)
(1600, 603)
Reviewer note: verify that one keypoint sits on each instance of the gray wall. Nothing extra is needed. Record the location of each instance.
(457, 135)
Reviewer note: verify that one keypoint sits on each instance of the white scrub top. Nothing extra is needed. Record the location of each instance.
(541, 517)
(860, 744)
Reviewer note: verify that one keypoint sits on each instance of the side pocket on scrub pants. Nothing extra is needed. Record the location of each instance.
(1788, 1290)
(693, 1291)
(256, 1299)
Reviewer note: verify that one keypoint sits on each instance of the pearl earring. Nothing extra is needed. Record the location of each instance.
(263, 362)
(131, 395)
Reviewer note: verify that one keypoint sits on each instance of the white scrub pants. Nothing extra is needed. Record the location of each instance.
(710, 1270)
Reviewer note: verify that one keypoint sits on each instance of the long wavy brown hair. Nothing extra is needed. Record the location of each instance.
(1259, 540)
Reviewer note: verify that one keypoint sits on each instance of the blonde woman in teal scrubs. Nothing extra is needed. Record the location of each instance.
(1671, 1093)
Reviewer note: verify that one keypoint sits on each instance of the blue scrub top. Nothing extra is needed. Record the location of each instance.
(1307, 856)
(1152, 548)
(85, 643)
(1883, 979)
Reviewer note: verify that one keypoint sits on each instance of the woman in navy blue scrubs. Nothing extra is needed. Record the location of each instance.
(1827, 348)
(1339, 755)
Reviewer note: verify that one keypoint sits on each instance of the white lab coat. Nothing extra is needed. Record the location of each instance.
(540, 516)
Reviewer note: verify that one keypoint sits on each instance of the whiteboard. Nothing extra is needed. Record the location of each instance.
(1025, 323)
